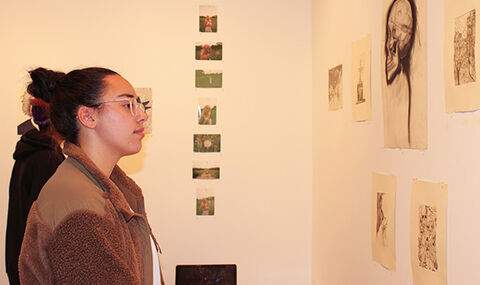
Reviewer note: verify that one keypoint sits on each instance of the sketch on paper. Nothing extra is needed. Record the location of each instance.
(205, 205)
(208, 19)
(360, 79)
(360, 95)
(464, 49)
(382, 221)
(208, 51)
(335, 88)
(206, 143)
(208, 78)
(145, 97)
(207, 111)
(427, 238)
(404, 89)
(428, 232)
(460, 29)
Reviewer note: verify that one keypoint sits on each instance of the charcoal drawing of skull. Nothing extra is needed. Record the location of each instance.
(400, 36)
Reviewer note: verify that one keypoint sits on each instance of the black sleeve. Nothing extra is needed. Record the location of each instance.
(43, 165)
(28, 177)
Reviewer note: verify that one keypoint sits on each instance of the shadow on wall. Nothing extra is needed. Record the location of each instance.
(134, 163)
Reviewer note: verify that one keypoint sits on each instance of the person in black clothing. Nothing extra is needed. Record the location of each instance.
(37, 156)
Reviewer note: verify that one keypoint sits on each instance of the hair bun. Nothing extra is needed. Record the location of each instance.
(43, 83)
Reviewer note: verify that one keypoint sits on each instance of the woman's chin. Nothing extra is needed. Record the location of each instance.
(133, 149)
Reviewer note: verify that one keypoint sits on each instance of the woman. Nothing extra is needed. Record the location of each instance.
(37, 155)
(88, 225)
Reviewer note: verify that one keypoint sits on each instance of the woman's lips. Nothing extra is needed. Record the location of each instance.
(140, 131)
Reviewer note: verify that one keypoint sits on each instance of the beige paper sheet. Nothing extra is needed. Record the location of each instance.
(383, 220)
(462, 87)
(404, 104)
(361, 79)
(428, 232)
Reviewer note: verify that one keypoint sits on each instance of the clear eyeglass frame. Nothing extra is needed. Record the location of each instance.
(134, 104)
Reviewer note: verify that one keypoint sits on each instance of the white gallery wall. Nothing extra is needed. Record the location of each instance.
(262, 218)
(346, 153)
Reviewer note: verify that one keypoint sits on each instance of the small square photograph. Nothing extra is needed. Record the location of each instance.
(206, 170)
(208, 19)
(206, 143)
(205, 202)
(208, 51)
(207, 111)
(145, 96)
(208, 78)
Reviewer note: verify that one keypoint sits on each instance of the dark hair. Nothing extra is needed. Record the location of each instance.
(41, 88)
(80, 87)
(43, 83)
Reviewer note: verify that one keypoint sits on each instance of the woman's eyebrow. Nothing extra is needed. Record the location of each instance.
(125, 95)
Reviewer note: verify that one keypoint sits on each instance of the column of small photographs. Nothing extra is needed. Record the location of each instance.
(208, 84)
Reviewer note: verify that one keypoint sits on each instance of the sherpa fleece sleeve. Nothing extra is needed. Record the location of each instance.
(33, 263)
(86, 248)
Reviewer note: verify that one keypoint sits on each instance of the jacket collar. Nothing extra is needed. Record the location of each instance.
(115, 187)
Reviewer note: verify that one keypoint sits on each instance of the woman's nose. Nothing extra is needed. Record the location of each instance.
(142, 116)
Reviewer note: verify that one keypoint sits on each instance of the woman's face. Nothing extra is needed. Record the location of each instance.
(118, 129)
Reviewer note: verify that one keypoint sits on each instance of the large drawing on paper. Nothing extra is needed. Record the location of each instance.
(427, 238)
(404, 76)
(464, 49)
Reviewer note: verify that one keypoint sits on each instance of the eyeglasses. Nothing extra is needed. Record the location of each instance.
(133, 104)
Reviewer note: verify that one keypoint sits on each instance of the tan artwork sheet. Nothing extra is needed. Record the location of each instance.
(361, 79)
(383, 220)
(404, 74)
(428, 222)
(462, 88)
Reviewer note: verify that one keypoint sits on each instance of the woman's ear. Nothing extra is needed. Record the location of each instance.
(87, 116)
